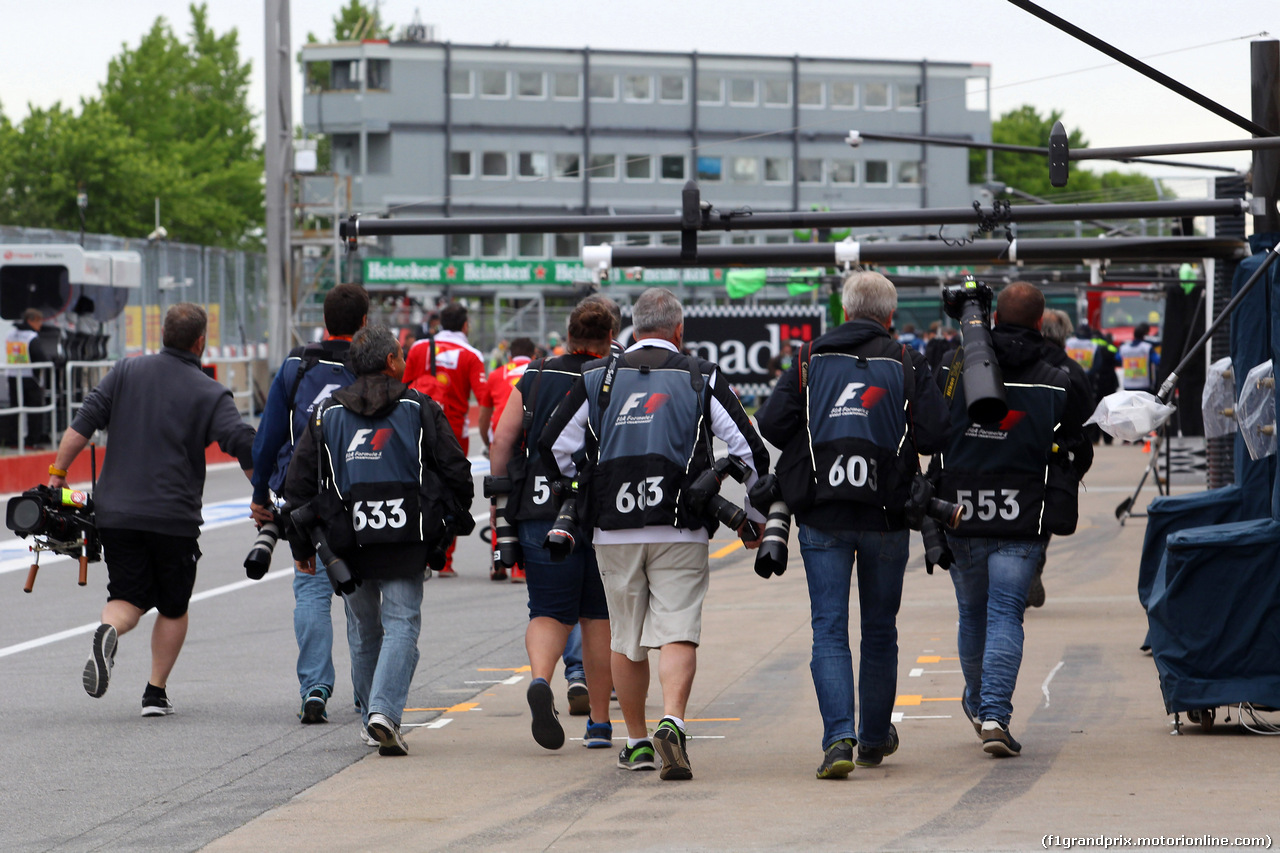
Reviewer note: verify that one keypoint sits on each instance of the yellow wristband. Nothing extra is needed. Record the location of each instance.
(57, 472)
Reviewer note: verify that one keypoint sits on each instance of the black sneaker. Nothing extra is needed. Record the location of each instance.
(155, 702)
(997, 741)
(638, 757)
(976, 723)
(97, 672)
(546, 727)
(871, 756)
(579, 699)
(837, 763)
(313, 706)
(668, 742)
(387, 734)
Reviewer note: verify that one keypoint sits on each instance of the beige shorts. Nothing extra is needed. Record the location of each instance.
(655, 594)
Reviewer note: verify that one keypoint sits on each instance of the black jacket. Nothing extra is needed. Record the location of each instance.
(1082, 389)
(375, 395)
(782, 422)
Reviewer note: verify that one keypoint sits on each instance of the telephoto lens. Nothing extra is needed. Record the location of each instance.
(506, 541)
(340, 577)
(771, 558)
(970, 303)
(922, 505)
(564, 534)
(259, 559)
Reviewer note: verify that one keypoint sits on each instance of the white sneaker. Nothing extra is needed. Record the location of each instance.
(387, 734)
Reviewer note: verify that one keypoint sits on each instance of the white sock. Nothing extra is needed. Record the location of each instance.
(633, 742)
(990, 726)
(679, 722)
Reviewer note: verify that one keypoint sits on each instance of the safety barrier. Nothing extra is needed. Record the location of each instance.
(38, 370)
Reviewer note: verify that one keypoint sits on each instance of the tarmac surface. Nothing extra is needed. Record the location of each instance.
(1098, 758)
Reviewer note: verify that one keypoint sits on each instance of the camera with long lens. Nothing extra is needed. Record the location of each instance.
(438, 553)
(927, 513)
(340, 577)
(970, 303)
(59, 520)
(771, 558)
(703, 496)
(506, 541)
(564, 533)
(259, 559)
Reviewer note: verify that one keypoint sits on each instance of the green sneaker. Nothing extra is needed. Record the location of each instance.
(669, 741)
(837, 763)
(638, 757)
(871, 756)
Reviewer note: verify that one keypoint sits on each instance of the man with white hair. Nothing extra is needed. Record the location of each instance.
(852, 419)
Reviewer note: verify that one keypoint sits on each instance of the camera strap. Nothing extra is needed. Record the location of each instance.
(526, 417)
(954, 371)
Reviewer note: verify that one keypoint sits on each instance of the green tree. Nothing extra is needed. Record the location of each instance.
(354, 22)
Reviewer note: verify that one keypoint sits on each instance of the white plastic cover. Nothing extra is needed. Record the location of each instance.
(1130, 415)
(1218, 402)
(1256, 411)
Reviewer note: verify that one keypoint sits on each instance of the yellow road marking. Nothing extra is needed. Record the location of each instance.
(932, 659)
(525, 668)
(916, 700)
(456, 709)
(692, 720)
(727, 549)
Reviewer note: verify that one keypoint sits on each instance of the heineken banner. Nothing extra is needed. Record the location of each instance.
(441, 271)
(741, 339)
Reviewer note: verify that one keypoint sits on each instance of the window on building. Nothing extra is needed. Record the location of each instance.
(744, 170)
(844, 171)
(639, 239)
(637, 87)
(809, 170)
(671, 89)
(777, 169)
(567, 85)
(493, 246)
(459, 245)
(710, 89)
(639, 167)
(909, 96)
(532, 245)
(909, 172)
(709, 238)
(567, 245)
(777, 93)
(742, 92)
(975, 94)
(844, 94)
(668, 239)
(709, 169)
(494, 84)
(495, 164)
(460, 164)
(531, 164)
(604, 167)
(877, 172)
(811, 93)
(531, 84)
(599, 239)
(603, 87)
(737, 238)
(877, 96)
(775, 239)
(347, 74)
(379, 74)
(672, 167)
(568, 167)
(460, 83)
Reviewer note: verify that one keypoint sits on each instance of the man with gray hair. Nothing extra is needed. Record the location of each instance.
(391, 474)
(852, 418)
(645, 420)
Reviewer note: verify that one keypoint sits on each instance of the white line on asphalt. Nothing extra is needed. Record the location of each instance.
(1044, 688)
(92, 626)
(440, 723)
(488, 681)
(926, 717)
(515, 679)
(895, 717)
(915, 673)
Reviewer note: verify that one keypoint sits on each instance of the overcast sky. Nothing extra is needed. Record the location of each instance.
(57, 50)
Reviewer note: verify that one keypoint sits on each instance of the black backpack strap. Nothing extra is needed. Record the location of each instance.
(309, 358)
(606, 387)
(431, 354)
(526, 417)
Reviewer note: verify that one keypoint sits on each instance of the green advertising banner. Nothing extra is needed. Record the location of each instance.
(537, 273)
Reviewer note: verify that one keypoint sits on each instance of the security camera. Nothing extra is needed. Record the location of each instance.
(854, 139)
(159, 234)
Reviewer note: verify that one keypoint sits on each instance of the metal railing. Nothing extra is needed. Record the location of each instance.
(22, 410)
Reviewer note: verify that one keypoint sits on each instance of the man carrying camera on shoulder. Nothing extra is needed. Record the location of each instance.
(305, 380)
(378, 479)
(852, 419)
(161, 412)
(1016, 481)
(646, 420)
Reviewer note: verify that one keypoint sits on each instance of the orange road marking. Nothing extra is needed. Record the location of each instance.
(907, 700)
(727, 549)
(692, 720)
(456, 709)
(932, 659)
(525, 668)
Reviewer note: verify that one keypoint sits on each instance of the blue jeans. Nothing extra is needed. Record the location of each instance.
(384, 618)
(991, 577)
(829, 560)
(313, 626)
(573, 670)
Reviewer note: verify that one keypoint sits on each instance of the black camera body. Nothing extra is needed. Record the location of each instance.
(703, 496)
(565, 532)
(970, 303)
(927, 513)
(340, 578)
(771, 558)
(61, 520)
(258, 561)
(506, 541)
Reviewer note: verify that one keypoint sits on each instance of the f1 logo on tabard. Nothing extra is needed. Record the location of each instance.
(655, 402)
(380, 438)
(869, 397)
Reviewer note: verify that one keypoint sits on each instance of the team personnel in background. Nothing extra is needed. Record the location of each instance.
(940, 346)
(449, 370)
(645, 421)
(911, 339)
(493, 399)
(1138, 359)
(852, 420)
(1056, 330)
(305, 380)
(22, 347)
(998, 473)
(1102, 375)
(162, 412)
(392, 472)
(568, 593)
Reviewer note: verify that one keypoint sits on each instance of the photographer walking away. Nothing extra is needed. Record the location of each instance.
(1015, 480)
(305, 380)
(567, 593)
(852, 420)
(161, 412)
(390, 482)
(645, 420)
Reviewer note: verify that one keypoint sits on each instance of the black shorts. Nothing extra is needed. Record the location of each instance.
(150, 569)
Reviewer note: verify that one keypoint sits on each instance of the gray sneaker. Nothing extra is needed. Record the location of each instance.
(997, 741)
(97, 671)
(387, 734)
